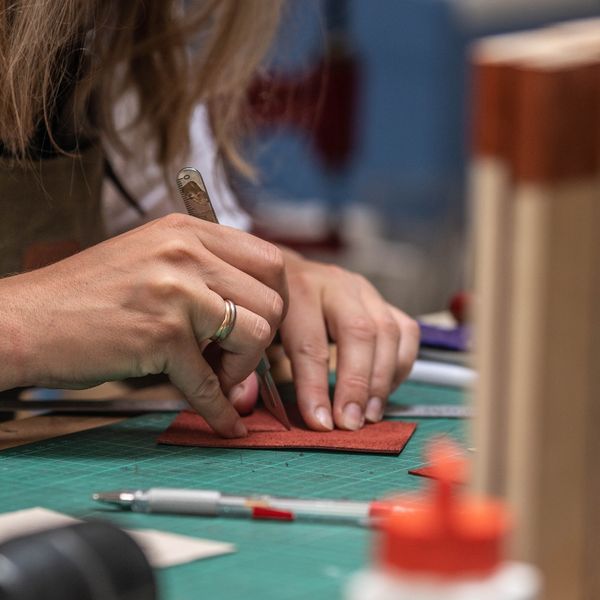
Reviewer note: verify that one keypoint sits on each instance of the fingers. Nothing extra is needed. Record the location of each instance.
(259, 259)
(385, 362)
(243, 396)
(355, 332)
(191, 374)
(229, 282)
(377, 346)
(250, 335)
(410, 336)
(304, 338)
(397, 346)
(257, 285)
(393, 344)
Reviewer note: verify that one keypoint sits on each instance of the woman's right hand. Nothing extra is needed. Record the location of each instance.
(147, 302)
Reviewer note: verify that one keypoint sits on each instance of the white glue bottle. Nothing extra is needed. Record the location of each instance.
(443, 545)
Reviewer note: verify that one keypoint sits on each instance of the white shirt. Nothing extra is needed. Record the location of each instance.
(148, 188)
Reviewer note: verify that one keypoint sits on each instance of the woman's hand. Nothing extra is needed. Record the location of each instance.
(376, 344)
(147, 302)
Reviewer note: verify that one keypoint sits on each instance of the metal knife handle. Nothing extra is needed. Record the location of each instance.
(194, 194)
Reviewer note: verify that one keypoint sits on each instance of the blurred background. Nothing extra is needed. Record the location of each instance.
(361, 135)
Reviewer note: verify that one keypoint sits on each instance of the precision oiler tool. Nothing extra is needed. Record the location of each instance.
(215, 503)
(197, 202)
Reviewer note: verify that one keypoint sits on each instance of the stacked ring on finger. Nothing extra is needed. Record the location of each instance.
(226, 326)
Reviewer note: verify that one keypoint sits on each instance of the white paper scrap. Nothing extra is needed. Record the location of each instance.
(163, 549)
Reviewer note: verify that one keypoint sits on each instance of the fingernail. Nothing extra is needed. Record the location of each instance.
(324, 417)
(353, 416)
(240, 429)
(374, 412)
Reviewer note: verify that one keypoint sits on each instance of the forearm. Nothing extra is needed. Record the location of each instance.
(14, 340)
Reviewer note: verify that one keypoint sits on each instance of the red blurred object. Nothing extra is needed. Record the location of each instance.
(332, 242)
(461, 306)
(271, 514)
(321, 102)
(447, 532)
(430, 472)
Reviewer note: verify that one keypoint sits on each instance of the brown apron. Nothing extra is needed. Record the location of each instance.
(49, 209)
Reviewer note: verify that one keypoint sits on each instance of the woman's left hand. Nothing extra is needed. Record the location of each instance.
(376, 344)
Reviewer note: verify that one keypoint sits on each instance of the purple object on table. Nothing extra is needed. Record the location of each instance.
(457, 338)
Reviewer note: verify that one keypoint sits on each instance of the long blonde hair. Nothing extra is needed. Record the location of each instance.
(139, 45)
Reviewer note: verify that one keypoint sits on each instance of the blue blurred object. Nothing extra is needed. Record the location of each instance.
(455, 338)
(412, 124)
(411, 137)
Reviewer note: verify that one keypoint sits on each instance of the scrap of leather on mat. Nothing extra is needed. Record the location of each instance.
(264, 431)
(430, 472)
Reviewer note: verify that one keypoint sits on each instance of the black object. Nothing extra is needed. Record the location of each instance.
(86, 561)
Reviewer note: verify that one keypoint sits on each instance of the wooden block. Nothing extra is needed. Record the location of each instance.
(490, 182)
(552, 308)
(543, 458)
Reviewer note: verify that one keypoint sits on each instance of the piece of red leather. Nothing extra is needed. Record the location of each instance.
(430, 472)
(264, 431)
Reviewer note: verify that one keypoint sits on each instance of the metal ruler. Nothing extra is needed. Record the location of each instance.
(129, 406)
(115, 406)
(429, 411)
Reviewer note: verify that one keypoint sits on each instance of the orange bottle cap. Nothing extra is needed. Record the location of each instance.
(445, 531)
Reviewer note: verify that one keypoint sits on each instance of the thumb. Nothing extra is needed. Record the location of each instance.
(244, 395)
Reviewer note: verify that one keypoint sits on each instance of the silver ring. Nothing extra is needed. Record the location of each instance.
(226, 327)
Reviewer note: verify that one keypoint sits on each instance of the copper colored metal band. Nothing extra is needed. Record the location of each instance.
(227, 324)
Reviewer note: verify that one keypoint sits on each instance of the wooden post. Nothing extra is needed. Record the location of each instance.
(537, 426)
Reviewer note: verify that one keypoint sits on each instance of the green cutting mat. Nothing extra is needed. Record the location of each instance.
(283, 561)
